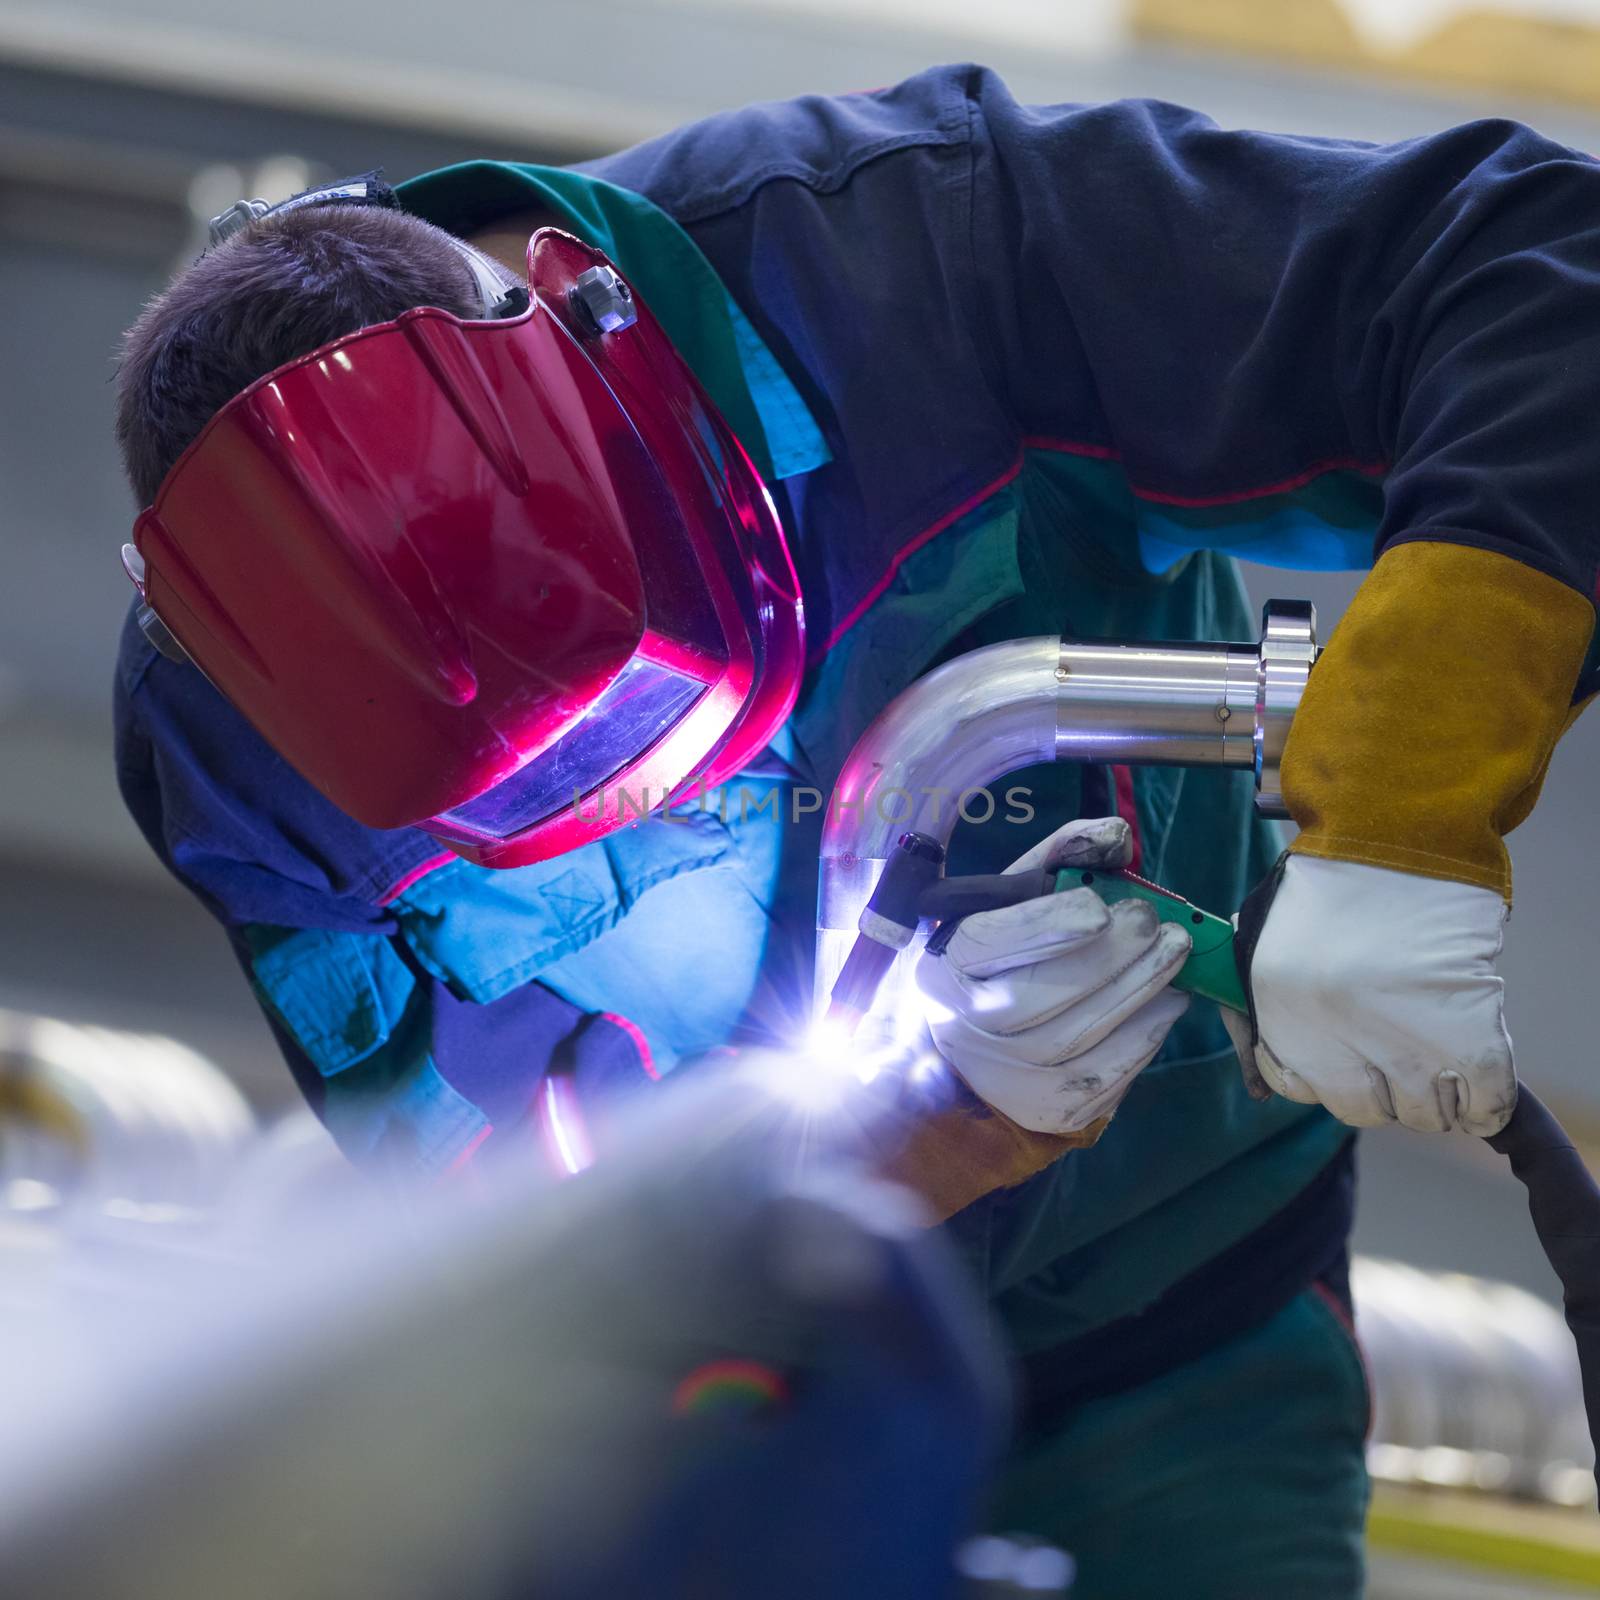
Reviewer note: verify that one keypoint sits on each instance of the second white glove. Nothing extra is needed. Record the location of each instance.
(1377, 996)
(1050, 1009)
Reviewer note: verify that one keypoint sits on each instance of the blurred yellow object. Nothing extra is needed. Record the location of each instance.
(1528, 49)
(1497, 1536)
(25, 1098)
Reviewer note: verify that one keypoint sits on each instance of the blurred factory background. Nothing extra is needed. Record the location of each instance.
(125, 123)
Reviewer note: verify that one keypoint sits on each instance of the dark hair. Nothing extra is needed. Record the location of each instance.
(276, 290)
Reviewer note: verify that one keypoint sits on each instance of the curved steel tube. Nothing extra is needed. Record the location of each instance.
(933, 752)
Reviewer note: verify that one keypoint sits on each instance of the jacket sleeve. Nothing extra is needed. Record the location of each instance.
(1247, 316)
(406, 1072)
(1242, 312)
(413, 1078)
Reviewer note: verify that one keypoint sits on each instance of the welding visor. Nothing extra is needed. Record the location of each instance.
(512, 580)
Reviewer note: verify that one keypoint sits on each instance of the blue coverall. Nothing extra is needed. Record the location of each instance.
(1008, 371)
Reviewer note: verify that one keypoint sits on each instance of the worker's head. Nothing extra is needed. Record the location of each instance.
(281, 287)
(473, 554)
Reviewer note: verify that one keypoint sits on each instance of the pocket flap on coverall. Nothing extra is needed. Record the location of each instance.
(338, 993)
(486, 931)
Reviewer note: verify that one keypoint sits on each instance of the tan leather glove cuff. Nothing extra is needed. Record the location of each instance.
(956, 1155)
(1430, 719)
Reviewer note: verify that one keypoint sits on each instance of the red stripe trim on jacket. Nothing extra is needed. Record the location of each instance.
(646, 1059)
(463, 1158)
(1095, 452)
(1297, 480)
(906, 550)
(1128, 810)
(1343, 1318)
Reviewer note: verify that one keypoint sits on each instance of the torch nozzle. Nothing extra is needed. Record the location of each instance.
(853, 993)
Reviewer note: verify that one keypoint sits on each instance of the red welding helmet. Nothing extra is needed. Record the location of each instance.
(512, 580)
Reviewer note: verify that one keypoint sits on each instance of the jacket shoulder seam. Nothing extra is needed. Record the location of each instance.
(820, 181)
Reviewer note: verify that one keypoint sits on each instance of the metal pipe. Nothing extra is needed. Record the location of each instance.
(933, 753)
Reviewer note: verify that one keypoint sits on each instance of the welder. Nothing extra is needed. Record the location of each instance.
(436, 603)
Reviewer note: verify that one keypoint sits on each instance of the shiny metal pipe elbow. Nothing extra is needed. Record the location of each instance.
(933, 753)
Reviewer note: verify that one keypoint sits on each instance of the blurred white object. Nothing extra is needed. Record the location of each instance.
(478, 1390)
(1475, 1385)
(218, 184)
(292, 1172)
(99, 1126)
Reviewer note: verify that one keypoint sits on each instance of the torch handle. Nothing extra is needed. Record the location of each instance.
(1210, 970)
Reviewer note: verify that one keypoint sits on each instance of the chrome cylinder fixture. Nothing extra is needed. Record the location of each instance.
(966, 725)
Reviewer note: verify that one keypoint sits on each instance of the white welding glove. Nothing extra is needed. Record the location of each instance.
(1049, 1009)
(1376, 995)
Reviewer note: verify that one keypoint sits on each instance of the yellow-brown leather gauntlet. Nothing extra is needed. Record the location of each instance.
(1430, 719)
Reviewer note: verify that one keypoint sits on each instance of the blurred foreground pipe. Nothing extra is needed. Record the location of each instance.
(705, 1369)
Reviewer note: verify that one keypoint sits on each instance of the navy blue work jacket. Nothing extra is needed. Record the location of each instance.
(1013, 370)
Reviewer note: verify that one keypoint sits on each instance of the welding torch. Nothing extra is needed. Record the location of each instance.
(913, 889)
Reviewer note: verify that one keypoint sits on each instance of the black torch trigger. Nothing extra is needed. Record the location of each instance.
(911, 890)
(951, 899)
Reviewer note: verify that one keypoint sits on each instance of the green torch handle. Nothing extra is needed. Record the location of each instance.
(1210, 969)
